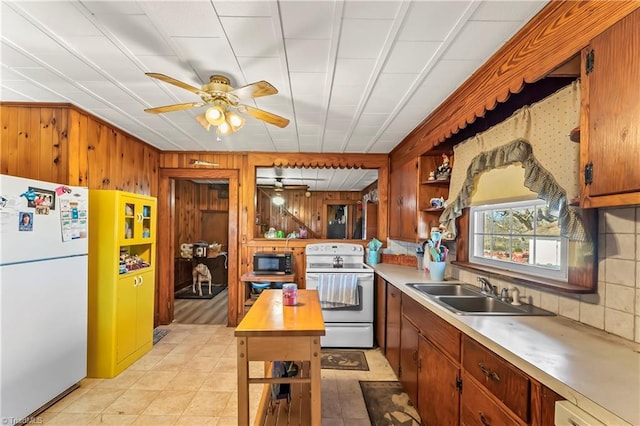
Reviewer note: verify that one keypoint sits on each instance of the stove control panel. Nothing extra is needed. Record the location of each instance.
(334, 248)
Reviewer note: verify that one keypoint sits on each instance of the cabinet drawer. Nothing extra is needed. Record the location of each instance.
(478, 408)
(437, 330)
(507, 383)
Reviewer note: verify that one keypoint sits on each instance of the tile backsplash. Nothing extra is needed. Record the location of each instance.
(616, 306)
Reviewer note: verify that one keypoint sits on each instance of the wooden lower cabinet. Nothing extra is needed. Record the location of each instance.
(438, 390)
(478, 407)
(453, 379)
(394, 313)
(409, 358)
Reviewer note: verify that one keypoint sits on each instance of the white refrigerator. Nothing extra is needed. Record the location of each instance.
(43, 293)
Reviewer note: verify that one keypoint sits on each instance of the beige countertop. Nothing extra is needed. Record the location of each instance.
(594, 370)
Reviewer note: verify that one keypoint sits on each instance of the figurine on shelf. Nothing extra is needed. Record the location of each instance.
(432, 175)
(443, 172)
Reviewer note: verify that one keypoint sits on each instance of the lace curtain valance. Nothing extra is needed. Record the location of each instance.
(535, 137)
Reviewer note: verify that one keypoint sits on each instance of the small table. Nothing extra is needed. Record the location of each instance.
(273, 332)
(249, 277)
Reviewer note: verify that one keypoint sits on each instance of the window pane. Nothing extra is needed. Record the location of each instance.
(547, 252)
(520, 252)
(501, 221)
(501, 248)
(486, 246)
(546, 223)
(523, 221)
(484, 221)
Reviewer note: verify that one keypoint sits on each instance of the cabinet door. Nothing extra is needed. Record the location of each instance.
(393, 328)
(409, 359)
(144, 308)
(438, 394)
(610, 137)
(403, 202)
(126, 316)
(477, 407)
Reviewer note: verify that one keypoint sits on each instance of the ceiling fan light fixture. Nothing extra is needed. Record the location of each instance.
(215, 115)
(235, 121)
(224, 129)
(277, 200)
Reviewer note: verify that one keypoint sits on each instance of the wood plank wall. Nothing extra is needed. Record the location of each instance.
(63, 144)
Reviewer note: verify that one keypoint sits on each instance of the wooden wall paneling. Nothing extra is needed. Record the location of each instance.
(78, 148)
(185, 207)
(557, 33)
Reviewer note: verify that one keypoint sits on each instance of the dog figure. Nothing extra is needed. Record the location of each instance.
(200, 273)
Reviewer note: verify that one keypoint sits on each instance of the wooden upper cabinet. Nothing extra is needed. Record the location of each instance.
(610, 128)
(403, 201)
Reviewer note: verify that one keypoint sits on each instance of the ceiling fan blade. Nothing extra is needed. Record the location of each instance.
(268, 117)
(175, 107)
(255, 90)
(175, 82)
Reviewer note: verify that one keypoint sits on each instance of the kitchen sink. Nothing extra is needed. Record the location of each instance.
(465, 299)
(446, 289)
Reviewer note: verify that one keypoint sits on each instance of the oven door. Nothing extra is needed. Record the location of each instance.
(361, 313)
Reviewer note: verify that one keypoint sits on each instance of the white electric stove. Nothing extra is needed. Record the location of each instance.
(349, 327)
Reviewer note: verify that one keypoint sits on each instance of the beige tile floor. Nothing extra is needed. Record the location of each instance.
(189, 378)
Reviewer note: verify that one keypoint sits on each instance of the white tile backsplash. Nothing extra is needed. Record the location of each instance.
(616, 306)
(620, 220)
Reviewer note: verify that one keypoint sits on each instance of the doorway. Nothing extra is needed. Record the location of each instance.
(200, 214)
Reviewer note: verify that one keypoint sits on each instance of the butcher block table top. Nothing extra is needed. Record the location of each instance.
(269, 317)
(271, 332)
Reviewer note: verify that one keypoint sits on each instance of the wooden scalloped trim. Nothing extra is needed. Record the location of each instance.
(558, 32)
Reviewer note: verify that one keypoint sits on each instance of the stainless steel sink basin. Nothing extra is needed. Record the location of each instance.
(485, 305)
(446, 289)
(465, 299)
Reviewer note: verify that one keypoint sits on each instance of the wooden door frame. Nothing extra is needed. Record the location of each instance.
(166, 230)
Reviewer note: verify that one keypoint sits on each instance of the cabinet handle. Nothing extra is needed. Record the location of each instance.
(141, 280)
(490, 374)
(483, 419)
(135, 281)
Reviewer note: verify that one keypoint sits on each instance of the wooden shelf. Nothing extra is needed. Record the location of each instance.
(436, 182)
(432, 209)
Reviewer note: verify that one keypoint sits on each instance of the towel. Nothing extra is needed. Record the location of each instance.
(338, 290)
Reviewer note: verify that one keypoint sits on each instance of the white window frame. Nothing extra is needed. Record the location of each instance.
(476, 244)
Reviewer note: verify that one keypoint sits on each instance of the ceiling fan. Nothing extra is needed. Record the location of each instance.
(221, 99)
(278, 186)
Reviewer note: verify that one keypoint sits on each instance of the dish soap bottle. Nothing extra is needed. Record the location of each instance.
(515, 296)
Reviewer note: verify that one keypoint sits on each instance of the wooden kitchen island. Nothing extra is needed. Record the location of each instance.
(273, 332)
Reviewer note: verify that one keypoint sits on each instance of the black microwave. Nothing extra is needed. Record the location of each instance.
(272, 263)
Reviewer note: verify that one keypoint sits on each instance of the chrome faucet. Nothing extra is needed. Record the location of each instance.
(504, 295)
(487, 288)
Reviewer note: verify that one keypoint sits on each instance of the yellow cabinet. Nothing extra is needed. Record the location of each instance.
(122, 236)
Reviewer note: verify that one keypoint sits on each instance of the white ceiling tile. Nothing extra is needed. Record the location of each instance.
(410, 56)
(479, 40)
(72, 67)
(307, 84)
(244, 8)
(371, 9)
(307, 19)
(110, 7)
(372, 119)
(363, 38)
(138, 33)
(11, 57)
(308, 55)
(351, 71)
(185, 19)
(346, 96)
(241, 33)
(388, 91)
(60, 17)
(431, 20)
(511, 10)
(20, 32)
